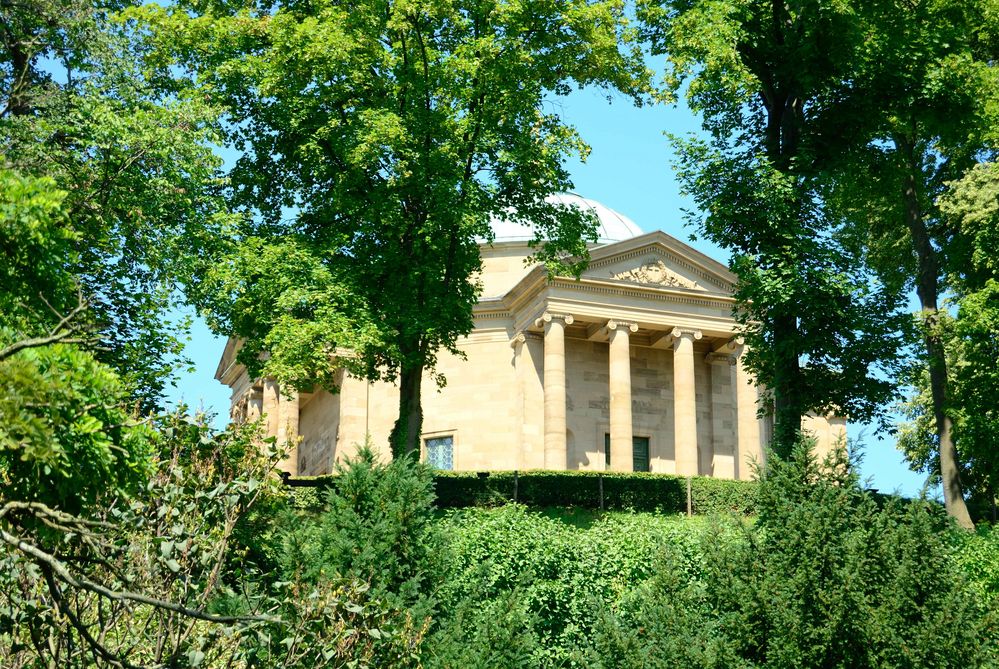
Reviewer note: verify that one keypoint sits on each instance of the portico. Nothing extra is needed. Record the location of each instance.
(693, 455)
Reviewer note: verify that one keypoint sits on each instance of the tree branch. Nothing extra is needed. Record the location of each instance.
(62, 332)
(44, 559)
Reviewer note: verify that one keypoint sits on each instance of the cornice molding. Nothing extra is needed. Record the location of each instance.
(653, 293)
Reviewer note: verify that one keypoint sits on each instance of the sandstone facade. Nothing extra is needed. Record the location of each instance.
(636, 365)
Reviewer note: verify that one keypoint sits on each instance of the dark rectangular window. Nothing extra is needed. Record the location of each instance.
(640, 454)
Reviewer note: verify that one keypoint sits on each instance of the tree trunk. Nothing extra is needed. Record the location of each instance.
(783, 131)
(787, 400)
(405, 436)
(18, 101)
(927, 290)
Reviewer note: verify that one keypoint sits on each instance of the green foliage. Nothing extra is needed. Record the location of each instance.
(971, 206)
(134, 170)
(378, 141)
(159, 577)
(626, 491)
(766, 78)
(978, 558)
(921, 109)
(825, 577)
(672, 620)
(65, 438)
(971, 211)
(36, 245)
(375, 528)
(282, 298)
(557, 576)
(638, 491)
(483, 633)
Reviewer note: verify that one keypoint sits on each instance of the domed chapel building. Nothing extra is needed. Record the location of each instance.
(635, 366)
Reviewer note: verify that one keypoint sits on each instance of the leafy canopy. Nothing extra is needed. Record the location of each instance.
(377, 139)
(134, 164)
(767, 79)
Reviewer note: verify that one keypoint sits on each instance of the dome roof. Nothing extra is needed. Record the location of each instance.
(611, 225)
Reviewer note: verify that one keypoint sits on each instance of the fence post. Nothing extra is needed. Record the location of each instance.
(690, 502)
(516, 483)
(600, 479)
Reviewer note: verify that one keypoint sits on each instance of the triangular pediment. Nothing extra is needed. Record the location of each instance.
(228, 361)
(661, 261)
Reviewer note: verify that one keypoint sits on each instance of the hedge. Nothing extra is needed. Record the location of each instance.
(636, 491)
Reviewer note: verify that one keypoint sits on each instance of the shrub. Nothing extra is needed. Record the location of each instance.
(826, 577)
(537, 488)
(563, 575)
(636, 491)
(376, 529)
(978, 558)
(485, 633)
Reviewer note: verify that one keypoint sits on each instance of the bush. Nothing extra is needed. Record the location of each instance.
(826, 577)
(635, 491)
(485, 633)
(621, 491)
(978, 558)
(376, 529)
(560, 575)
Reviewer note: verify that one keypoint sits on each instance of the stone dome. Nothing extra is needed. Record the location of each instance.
(611, 225)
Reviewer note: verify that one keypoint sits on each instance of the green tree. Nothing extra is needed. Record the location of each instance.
(922, 108)
(971, 206)
(66, 435)
(133, 162)
(765, 77)
(378, 139)
(968, 214)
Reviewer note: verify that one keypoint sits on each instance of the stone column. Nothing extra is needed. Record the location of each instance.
(556, 455)
(723, 427)
(287, 431)
(529, 398)
(517, 344)
(270, 407)
(620, 395)
(748, 424)
(531, 370)
(254, 403)
(684, 402)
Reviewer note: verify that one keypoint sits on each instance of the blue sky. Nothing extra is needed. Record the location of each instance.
(629, 170)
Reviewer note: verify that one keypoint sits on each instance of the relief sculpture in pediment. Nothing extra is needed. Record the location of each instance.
(654, 271)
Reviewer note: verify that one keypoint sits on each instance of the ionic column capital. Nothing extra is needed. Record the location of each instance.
(721, 359)
(690, 333)
(733, 346)
(549, 316)
(523, 337)
(613, 325)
